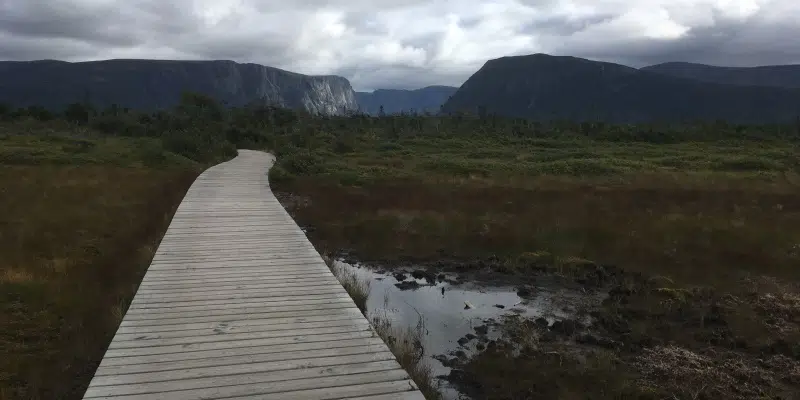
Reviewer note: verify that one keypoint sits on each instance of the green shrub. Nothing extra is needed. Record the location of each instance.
(279, 175)
(747, 164)
(350, 178)
(303, 162)
(200, 146)
(122, 125)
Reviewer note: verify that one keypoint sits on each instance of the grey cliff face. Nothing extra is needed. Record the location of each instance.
(157, 84)
(331, 95)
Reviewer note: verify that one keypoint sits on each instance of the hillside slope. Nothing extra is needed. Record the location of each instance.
(552, 87)
(158, 84)
(771, 75)
(395, 101)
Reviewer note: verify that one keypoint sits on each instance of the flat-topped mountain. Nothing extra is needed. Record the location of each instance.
(768, 75)
(548, 87)
(158, 84)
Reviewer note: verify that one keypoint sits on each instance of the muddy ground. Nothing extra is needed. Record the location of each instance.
(650, 338)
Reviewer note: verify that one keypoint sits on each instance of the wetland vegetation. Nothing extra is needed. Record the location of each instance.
(685, 237)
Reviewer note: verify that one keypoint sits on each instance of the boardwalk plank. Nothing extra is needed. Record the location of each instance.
(165, 387)
(238, 369)
(261, 389)
(238, 304)
(220, 329)
(249, 358)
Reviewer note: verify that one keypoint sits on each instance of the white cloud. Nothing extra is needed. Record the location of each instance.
(402, 43)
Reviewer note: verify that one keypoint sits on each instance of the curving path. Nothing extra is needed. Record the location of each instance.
(238, 304)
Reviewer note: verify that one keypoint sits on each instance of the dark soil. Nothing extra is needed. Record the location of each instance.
(647, 341)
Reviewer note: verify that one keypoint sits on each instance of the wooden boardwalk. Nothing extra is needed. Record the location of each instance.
(238, 304)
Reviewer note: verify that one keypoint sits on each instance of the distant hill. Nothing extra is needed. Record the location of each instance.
(158, 84)
(771, 75)
(548, 87)
(395, 101)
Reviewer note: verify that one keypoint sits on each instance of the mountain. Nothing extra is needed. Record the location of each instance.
(395, 101)
(158, 84)
(548, 87)
(771, 75)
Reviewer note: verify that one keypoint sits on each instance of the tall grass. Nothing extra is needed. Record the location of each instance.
(405, 342)
(356, 287)
(75, 241)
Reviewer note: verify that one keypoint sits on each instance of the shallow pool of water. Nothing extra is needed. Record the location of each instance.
(449, 311)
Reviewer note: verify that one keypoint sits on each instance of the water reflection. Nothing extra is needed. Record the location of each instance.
(449, 311)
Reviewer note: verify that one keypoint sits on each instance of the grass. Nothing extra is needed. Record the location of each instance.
(695, 237)
(357, 288)
(710, 209)
(647, 218)
(404, 342)
(85, 202)
(520, 366)
(406, 345)
(75, 243)
(82, 216)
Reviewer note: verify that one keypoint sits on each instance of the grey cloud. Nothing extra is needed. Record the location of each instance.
(364, 23)
(20, 48)
(40, 19)
(564, 26)
(104, 25)
(727, 42)
(468, 23)
(397, 77)
(294, 36)
(242, 49)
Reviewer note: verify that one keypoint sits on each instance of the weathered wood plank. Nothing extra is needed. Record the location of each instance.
(276, 389)
(291, 348)
(222, 370)
(238, 304)
(249, 358)
(154, 388)
(139, 304)
(334, 301)
(265, 323)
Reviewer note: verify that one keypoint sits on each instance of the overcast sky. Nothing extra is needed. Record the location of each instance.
(402, 43)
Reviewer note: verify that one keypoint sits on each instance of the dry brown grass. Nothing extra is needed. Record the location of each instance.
(691, 375)
(710, 234)
(405, 342)
(357, 288)
(75, 241)
(710, 266)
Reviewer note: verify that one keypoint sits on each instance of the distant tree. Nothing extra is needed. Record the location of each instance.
(797, 125)
(77, 113)
(199, 105)
(113, 109)
(381, 112)
(40, 113)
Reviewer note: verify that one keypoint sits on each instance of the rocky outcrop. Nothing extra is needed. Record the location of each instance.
(158, 84)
